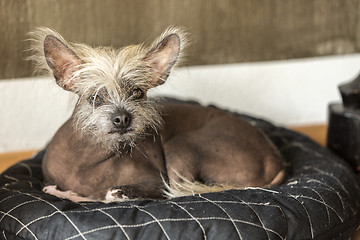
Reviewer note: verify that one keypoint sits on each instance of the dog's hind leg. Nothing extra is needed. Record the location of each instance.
(150, 189)
(180, 155)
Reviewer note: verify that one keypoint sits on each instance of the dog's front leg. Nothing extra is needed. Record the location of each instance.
(70, 195)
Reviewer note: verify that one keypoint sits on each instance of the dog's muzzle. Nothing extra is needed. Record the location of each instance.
(121, 120)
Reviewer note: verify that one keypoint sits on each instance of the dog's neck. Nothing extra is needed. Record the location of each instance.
(90, 147)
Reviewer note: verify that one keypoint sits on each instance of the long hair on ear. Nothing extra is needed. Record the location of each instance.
(184, 42)
(103, 66)
(37, 37)
(36, 49)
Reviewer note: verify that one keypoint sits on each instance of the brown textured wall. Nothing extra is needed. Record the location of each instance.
(223, 31)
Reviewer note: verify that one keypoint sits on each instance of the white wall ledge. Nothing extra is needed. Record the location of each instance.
(292, 92)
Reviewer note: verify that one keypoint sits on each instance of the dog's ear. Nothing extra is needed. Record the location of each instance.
(62, 61)
(162, 58)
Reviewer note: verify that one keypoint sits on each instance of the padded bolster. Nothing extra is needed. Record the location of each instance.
(320, 199)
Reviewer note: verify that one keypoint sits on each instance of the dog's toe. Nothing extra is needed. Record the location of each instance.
(115, 194)
(50, 189)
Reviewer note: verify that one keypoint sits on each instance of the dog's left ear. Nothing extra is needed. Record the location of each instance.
(163, 57)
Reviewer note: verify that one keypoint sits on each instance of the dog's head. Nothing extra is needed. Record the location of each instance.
(112, 85)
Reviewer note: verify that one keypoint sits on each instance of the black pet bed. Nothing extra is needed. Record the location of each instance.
(319, 200)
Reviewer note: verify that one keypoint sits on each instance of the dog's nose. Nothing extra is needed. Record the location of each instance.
(121, 119)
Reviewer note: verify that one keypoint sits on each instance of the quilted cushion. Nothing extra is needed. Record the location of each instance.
(319, 200)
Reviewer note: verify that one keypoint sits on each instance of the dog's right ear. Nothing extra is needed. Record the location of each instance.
(62, 61)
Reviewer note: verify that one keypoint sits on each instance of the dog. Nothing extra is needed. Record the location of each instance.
(119, 144)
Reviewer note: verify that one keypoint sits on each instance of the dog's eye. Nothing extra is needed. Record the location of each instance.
(137, 93)
(95, 100)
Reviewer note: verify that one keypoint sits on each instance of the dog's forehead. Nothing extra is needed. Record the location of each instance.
(129, 63)
(122, 70)
(130, 68)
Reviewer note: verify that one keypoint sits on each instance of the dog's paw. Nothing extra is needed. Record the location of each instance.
(50, 189)
(115, 194)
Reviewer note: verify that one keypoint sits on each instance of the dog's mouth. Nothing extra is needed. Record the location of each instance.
(121, 131)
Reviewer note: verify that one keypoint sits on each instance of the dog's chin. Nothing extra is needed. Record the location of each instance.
(122, 138)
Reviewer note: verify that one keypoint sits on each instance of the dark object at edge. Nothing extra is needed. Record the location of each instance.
(344, 124)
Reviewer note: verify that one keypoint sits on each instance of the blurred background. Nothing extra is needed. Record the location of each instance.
(281, 60)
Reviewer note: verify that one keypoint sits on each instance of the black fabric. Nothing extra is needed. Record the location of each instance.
(319, 200)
